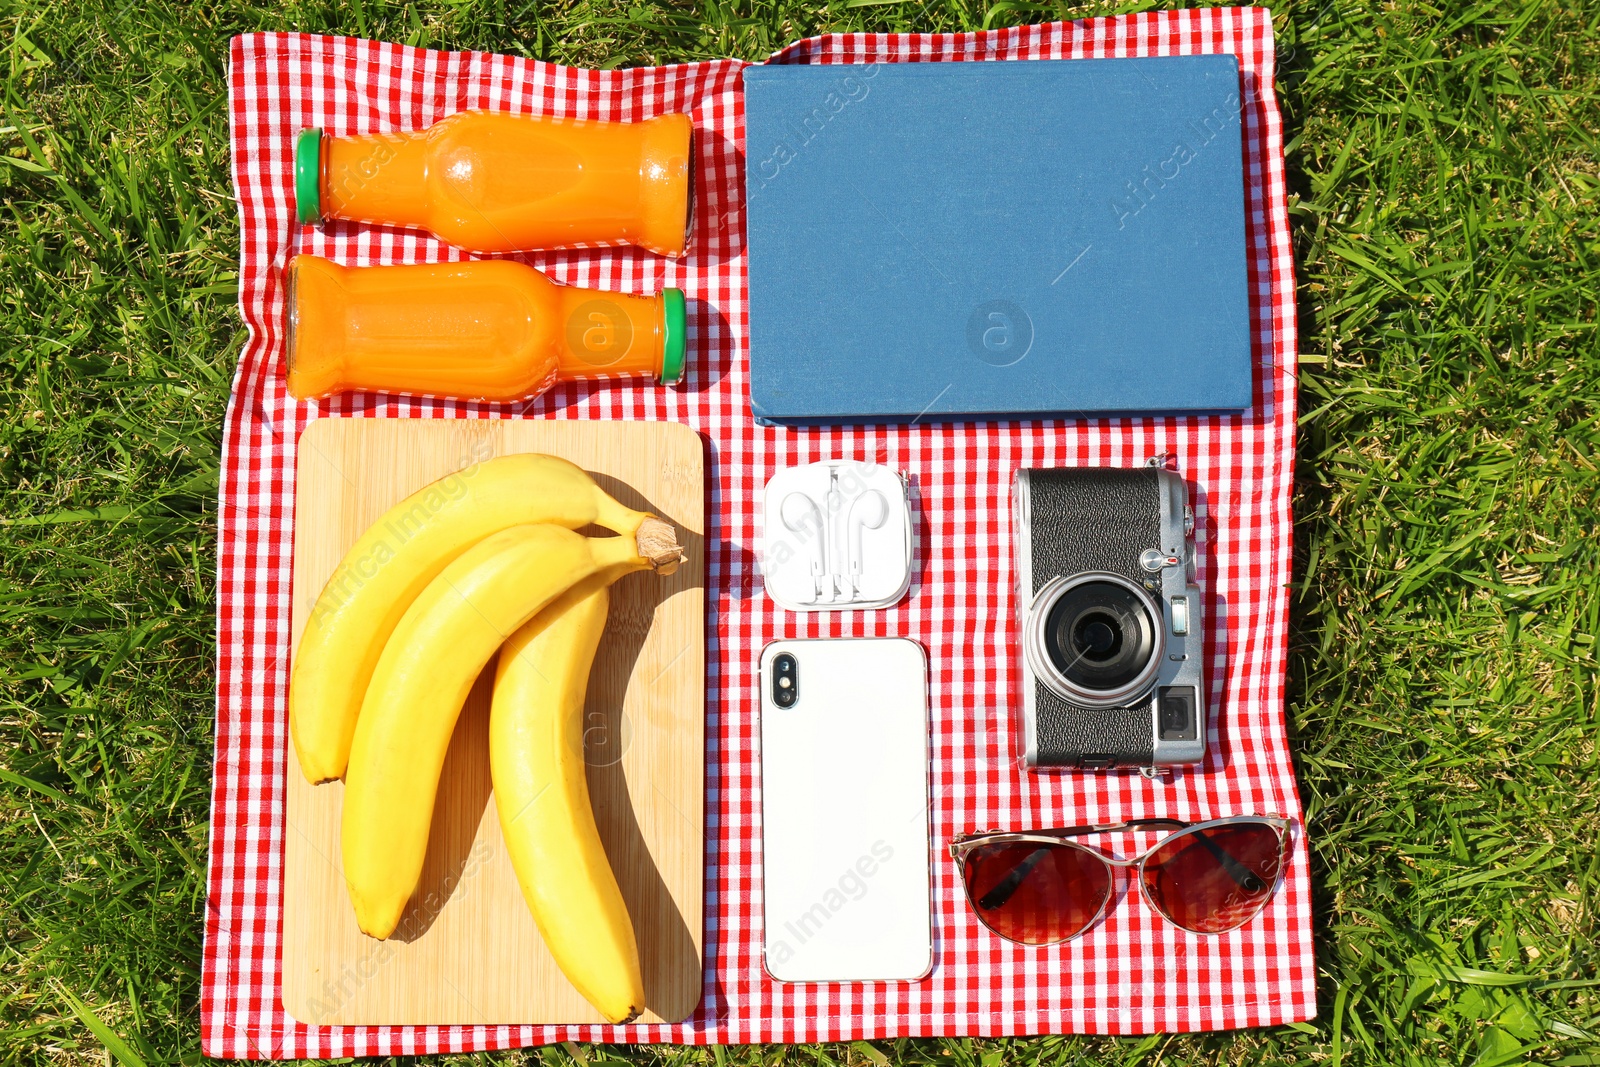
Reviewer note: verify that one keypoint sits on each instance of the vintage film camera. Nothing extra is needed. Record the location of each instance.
(1109, 619)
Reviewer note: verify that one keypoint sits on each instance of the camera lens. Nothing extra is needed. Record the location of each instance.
(1099, 635)
(785, 681)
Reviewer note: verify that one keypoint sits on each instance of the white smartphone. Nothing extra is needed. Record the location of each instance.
(844, 811)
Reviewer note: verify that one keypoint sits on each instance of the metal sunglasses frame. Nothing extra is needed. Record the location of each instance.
(1057, 837)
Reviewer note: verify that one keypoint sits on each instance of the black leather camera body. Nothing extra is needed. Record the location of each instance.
(1108, 619)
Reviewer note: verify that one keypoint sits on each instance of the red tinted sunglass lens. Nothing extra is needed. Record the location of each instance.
(1034, 892)
(1213, 880)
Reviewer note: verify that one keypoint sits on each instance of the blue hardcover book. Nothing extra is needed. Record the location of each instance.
(1007, 239)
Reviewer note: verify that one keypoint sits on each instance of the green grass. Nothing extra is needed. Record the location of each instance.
(1442, 679)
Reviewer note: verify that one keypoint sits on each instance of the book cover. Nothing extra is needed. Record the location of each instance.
(934, 241)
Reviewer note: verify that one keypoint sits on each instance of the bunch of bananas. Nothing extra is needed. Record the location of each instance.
(485, 560)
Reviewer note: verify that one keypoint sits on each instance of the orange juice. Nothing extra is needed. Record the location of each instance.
(489, 182)
(485, 330)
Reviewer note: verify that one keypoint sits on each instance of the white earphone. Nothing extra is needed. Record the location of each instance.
(801, 516)
(869, 512)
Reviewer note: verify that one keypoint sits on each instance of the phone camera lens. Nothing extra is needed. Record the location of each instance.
(785, 681)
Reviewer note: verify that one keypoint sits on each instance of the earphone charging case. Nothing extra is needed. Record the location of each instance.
(836, 536)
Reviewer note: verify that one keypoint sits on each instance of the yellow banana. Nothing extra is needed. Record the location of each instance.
(421, 680)
(395, 560)
(542, 793)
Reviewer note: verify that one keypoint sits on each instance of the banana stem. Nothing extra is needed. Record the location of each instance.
(658, 543)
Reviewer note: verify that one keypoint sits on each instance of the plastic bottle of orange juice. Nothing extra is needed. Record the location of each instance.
(484, 330)
(489, 182)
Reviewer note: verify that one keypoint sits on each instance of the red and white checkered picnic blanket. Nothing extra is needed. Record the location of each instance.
(1132, 972)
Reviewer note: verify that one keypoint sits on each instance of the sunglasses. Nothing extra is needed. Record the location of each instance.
(1037, 888)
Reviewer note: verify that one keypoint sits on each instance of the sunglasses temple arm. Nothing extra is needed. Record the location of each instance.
(997, 896)
(1243, 876)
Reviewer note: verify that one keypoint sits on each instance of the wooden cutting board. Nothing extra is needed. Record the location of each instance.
(474, 954)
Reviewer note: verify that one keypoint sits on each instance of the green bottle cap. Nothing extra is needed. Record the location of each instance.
(308, 176)
(672, 343)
